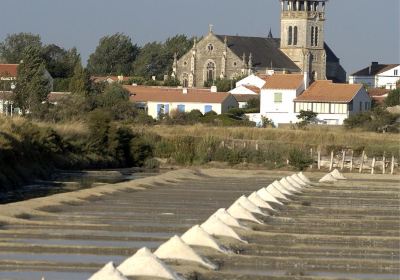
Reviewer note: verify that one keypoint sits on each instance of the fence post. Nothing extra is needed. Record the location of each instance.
(373, 165)
(384, 163)
(256, 146)
(244, 145)
(362, 162)
(343, 159)
(223, 144)
(312, 158)
(392, 166)
(331, 165)
(351, 160)
(319, 160)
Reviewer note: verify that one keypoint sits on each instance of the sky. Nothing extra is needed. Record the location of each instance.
(359, 31)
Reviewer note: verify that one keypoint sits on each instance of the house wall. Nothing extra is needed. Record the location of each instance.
(218, 108)
(252, 80)
(359, 102)
(283, 112)
(386, 79)
(242, 90)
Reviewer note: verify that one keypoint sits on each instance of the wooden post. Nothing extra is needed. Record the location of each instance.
(331, 165)
(256, 146)
(223, 144)
(244, 145)
(392, 166)
(362, 162)
(319, 159)
(384, 163)
(351, 160)
(343, 159)
(373, 165)
(312, 158)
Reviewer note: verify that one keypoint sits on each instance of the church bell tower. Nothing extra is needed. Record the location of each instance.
(302, 35)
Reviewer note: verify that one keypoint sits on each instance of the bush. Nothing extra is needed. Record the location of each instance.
(393, 98)
(299, 159)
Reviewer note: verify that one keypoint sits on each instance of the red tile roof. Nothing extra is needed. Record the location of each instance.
(326, 91)
(284, 81)
(8, 70)
(163, 94)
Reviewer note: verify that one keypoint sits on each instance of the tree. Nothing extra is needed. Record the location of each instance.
(13, 47)
(393, 98)
(151, 61)
(113, 56)
(306, 117)
(32, 86)
(60, 62)
(80, 81)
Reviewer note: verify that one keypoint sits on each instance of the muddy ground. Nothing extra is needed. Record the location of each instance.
(347, 230)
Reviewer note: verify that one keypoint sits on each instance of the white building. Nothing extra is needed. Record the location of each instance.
(377, 76)
(161, 100)
(284, 96)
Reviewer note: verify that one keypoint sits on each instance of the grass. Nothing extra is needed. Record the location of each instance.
(320, 137)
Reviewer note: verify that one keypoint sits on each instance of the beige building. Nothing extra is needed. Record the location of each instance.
(301, 49)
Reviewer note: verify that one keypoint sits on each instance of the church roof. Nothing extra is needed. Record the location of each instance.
(265, 51)
(326, 91)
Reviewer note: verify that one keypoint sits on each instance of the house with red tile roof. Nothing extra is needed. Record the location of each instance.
(284, 96)
(377, 76)
(163, 100)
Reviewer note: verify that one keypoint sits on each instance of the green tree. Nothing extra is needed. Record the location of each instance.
(32, 86)
(113, 56)
(115, 99)
(80, 81)
(60, 62)
(151, 61)
(14, 46)
(306, 117)
(393, 98)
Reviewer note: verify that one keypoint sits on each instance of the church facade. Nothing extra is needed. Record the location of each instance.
(301, 49)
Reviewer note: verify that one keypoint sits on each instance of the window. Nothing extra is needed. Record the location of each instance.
(366, 106)
(207, 108)
(278, 97)
(185, 63)
(210, 47)
(312, 35)
(396, 72)
(290, 37)
(210, 71)
(295, 36)
(316, 37)
(181, 108)
(338, 108)
(235, 63)
(162, 109)
(360, 106)
(351, 106)
(185, 83)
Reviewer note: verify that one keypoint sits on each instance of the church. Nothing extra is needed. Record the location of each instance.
(301, 49)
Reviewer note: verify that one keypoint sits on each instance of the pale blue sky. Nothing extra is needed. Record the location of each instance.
(359, 31)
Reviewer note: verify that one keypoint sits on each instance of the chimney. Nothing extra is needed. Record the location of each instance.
(306, 80)
(214, 89)
(185, 91)
(372, 67)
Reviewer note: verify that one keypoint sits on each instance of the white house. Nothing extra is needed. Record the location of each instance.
(333, 102)
(377, 76)
(278, 95)
(285, 95)
(252, 80)
(161, 100)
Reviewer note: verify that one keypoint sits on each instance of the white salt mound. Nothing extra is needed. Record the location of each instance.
(177, 249)
(144, 263)
(226, 218)
(299, 180)
(284, 182)
(257, 200)
(108, 272)
(284, 189)
(266, 196)
(246, 203)
(239, 212)
(216, 227)
(337, 175)
(328, 178)
(196, 236)
(276, 192)
(294, 183)
(304, 178)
